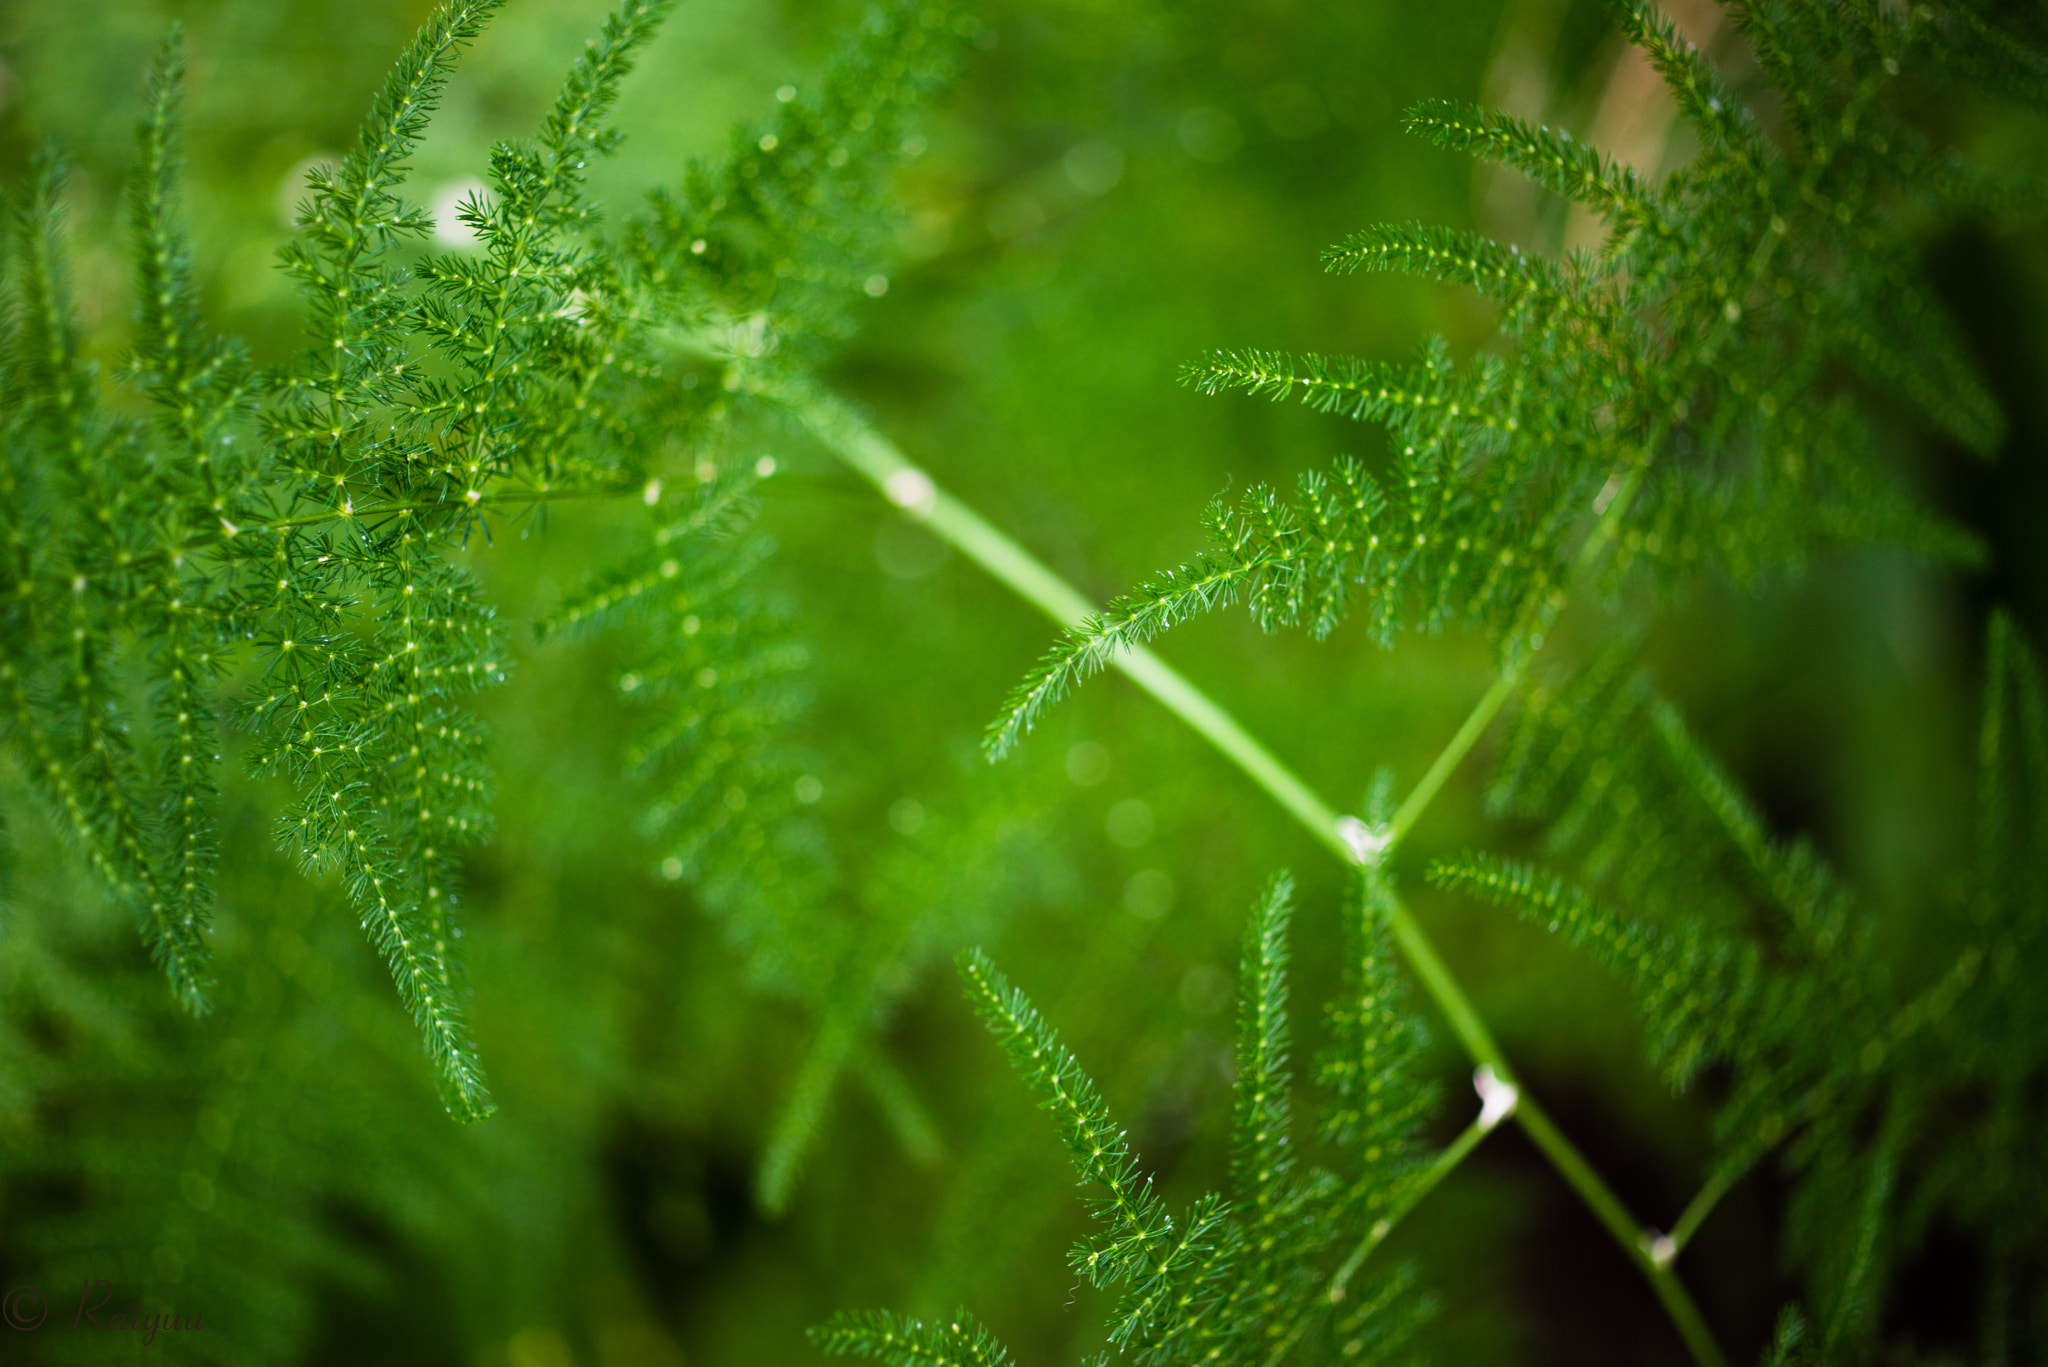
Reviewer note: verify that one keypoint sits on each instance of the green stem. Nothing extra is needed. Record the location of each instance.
(1528, 633)
(1454, 753)
(871, 455)
(1443, 989)
(1607, 1208)
(1697, 1209)
(910, 489)
(1479, 1044)
(1417, 1186)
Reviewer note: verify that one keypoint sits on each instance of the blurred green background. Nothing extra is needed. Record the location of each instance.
(1114, 186)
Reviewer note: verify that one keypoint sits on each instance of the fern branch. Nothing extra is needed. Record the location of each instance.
(1553, 159)
(1693, 989)
(1701, 93)
(911, 489)
(1344, 385)
(1138, 1243)
(900, 1341)
(63, 658)
(1261, 1162)
(1802, 886)
(1536, 292)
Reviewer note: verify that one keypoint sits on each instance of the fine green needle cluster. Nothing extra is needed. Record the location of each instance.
(204, 554)
(1703, 392)
(1266, 1271)
(1674, 396)
(304, 528)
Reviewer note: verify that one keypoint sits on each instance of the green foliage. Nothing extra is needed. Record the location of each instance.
(739, 278)
(324, 548)
(904, 1342)
(1988, 1070)
(85, 492)
(717, 669)
(315, 517)
(1689, 397)
(767, 247)
(1675, 393)
(1691, 988)
(1740, 952)
(1710, 394)
(365, 723)
(1248, 1276)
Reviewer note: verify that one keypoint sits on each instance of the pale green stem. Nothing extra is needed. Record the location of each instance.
(1412, 1192)
(910, 489)
(871, 455)
(1654, 1262)
(1453, 753)
(1528, 632)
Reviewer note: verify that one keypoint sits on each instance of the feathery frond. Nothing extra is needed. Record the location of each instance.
(1692, 987)
(1552, 158)
(101, 591)
(312, 518)
(1668, 405)
(902, 1342)
(770, 245)
(736, 280)
(389, 464)
(1710, 389)
(1245, 1277)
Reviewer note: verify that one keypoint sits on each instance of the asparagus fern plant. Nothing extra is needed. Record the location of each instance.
(200, 543)
(1690, 398)
(302, 523)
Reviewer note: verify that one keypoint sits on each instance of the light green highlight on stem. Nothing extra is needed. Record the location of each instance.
(873, 456)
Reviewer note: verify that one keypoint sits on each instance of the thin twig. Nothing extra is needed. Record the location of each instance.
(1418, 1185)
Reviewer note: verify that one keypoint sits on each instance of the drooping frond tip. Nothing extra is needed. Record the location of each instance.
(1101, 1152)
(1691, 988)
(1553, 159)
